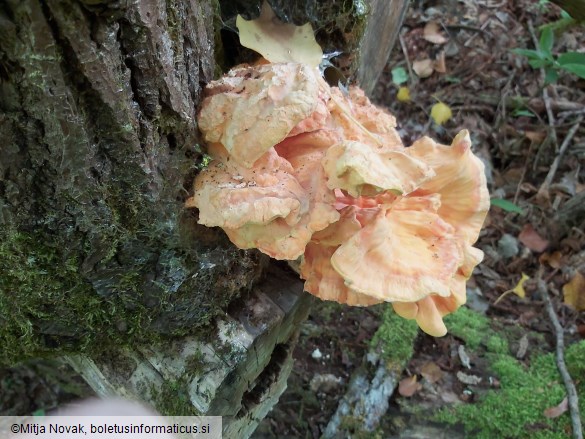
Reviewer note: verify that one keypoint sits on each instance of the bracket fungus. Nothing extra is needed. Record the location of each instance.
(302, 169)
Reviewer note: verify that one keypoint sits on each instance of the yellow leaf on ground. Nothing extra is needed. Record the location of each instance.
(403, 94)
(441, 113)
(519, 288)
(574, 292)
(277, 41)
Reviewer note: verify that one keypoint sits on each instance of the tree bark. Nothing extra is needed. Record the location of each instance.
(100, 145)
(99, 260)
(98, 104)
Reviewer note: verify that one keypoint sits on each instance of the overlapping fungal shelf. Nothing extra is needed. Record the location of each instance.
(302, 169)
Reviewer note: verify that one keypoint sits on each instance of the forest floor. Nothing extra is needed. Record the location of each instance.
(494, 374)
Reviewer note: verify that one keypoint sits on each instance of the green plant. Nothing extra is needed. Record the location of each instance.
(542, 57)
(506, 205)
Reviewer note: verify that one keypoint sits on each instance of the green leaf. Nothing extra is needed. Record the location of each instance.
(546, 40)
(550, 75)
(571, 58)
(399, 75)
(529, 53)
(577, 69)
(506, 205)
(538, 63)
(39, 412)
(526, 113)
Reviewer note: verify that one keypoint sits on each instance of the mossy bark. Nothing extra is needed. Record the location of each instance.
(99, 149)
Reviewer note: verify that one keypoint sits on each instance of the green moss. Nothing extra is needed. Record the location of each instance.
(195, 364)
(354, 427)
(516, 409)
(396, 337)
(468, 325)
(497, 345)
(37, 285)
(173, 399)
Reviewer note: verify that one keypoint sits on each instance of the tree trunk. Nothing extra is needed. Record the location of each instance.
(98, 106)
(100, 145)
(99, 150)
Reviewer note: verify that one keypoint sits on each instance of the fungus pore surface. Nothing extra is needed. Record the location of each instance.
(302, 169)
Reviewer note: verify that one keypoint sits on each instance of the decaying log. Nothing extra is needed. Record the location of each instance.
(238, 373)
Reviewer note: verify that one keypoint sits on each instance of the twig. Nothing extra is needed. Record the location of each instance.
(545, 96)
(572, 396)
(516, 102)
(528, 155)
(565, 114)
(482, 28)
(553, 168)
(407, 59)
(498, 6)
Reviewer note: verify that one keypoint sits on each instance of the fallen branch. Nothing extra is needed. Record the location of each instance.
(520, 102)
(572, 395)
(543, 191)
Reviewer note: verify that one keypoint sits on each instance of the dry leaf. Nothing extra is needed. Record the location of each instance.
(441, 113)
(409, 386)
(423, 67)
(277, 41)
(535, 136)
(403, 94)
(531, 239)
(463, 357)
(555, 260)
(432, 33)
(439, 63)
(555, 412)
(449, 397)
(574, 292)
(522, 347)
(431, 372)
(470, 380)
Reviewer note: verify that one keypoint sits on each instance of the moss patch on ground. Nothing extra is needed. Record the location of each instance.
(516, 409)
(395, 337)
